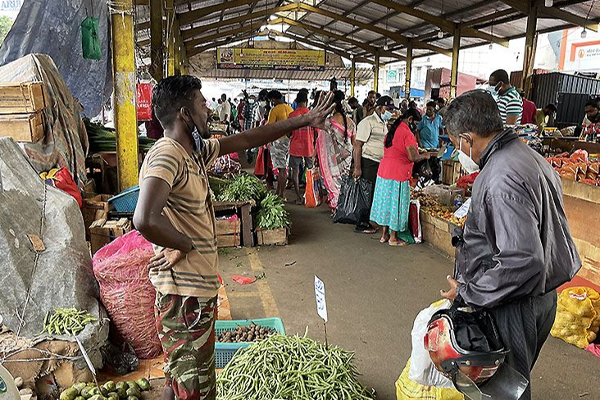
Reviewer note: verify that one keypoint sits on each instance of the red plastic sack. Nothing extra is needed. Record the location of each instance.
(414, 219)
(61, 178)
(121, 268)
(243, 280)
(312, 195)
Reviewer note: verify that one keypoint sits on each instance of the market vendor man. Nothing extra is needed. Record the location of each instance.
(175, 213)
(516, 247)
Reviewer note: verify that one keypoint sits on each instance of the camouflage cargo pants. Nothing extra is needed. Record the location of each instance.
(186, 328)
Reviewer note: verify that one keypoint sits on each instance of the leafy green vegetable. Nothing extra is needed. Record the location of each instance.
(272, 213)
(102, 138)
(243, 188)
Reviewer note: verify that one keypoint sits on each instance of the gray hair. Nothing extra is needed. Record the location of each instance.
(474, 111)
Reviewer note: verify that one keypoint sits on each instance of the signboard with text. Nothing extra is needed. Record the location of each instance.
(276, 59)
(320, 298)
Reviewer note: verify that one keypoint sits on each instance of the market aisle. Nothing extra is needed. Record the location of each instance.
(374, 292)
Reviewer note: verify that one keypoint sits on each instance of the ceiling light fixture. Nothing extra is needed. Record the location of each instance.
(491, 47)
(386, 47)
(440, 34)
(548, 3)
(584, 33)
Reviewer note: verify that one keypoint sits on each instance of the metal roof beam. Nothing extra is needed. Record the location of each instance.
(553, 12)
(195, 15)
(392, 35)
(219, 35)
(345, 14)
(316, 29)
(214, 45)
(191, 33)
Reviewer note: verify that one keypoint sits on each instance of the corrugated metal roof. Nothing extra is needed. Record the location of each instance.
(362, 74)
(508, 25)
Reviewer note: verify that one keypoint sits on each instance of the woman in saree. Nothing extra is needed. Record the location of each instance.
(334, 149)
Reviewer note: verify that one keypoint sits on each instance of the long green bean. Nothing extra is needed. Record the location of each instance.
(286, 368)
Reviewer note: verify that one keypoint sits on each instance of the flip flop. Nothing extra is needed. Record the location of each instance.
(401, 243)
(382, 240)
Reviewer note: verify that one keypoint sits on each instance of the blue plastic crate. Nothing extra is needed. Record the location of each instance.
(126, 201)
(224, 352)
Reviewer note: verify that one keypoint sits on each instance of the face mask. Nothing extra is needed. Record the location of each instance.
(386, 116)
(250, 101)
(198, 143)
(466, 161)
(493, 91)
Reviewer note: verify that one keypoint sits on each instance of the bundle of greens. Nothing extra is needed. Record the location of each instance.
(272, 213)
(102, 138)
(243, 187)
(286, 367)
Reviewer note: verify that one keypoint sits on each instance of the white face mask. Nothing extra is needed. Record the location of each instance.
(493, 91)
(466, 160)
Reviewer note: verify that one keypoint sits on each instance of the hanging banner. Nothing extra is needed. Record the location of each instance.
(276, 59)
(144, 101)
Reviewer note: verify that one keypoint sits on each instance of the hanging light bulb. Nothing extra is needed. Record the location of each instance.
(440, 34)
(583, 33)
(386, 47)
(352, 56)
(491, 47)
(549, 3)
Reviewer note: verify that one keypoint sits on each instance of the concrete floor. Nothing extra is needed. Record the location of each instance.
(374, 292)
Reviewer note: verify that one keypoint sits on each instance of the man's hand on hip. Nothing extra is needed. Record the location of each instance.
(165, 260)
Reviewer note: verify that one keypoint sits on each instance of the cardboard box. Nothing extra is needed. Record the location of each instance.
(22, 97)
(23, 127)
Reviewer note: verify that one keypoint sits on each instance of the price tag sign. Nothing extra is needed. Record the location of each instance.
(464, 209)
(320, 297)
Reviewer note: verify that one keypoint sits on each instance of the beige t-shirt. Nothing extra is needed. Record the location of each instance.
(189, 208)
(371, 131)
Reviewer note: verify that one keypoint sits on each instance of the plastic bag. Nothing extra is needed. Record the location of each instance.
(61, 178)
(243, 280)
(414, 217)
(577, 316)
(354, 201)
(90, 40)
(406, 389)
(121, 268)
(422, 369)
(312, 196)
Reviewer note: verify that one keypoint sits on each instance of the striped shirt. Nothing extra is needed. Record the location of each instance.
(510, 103)
(189, 208)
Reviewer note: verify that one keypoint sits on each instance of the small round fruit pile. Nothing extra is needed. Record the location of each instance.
(250, 333)
(109, 391)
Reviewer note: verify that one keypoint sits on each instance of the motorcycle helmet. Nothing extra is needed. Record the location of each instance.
(465, 342)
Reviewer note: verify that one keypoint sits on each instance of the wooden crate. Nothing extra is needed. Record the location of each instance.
(228, 241)
(274, 237)
(244, 212)
(452, 171)
(27, 128)
(22, 97)
(228, 232)
(94, 208)
(438, 233)
(102, 232)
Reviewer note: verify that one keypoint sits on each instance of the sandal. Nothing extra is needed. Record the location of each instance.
(383, 240)
(366, 231)
(401, 243)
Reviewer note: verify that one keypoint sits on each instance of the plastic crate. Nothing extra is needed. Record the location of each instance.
(224, 352)
(126, 201)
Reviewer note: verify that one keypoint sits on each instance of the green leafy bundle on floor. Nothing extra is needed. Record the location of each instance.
(294, 368)
(272, 213)
(243, 187)
(102, 138)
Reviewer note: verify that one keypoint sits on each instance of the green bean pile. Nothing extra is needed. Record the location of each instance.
(294, 368)
(66, 321)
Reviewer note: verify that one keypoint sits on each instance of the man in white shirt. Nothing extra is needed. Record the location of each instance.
(225, 109)
(368, 150)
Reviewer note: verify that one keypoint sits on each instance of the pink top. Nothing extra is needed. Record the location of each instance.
(395, 164)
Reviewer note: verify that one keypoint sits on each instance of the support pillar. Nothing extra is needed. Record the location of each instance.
(170, 13)
(376, 74)
(454, 73)
(352, 78)
(530, 47)
(156, 40)
(409, 60)
(124, 93)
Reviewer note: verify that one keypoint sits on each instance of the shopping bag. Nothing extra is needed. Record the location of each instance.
(354, 201)
(61, 178)
(312, 195)
(407, 389)
(90, 40)
(422, 370)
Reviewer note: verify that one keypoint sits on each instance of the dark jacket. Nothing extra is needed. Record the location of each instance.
(516, 241)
